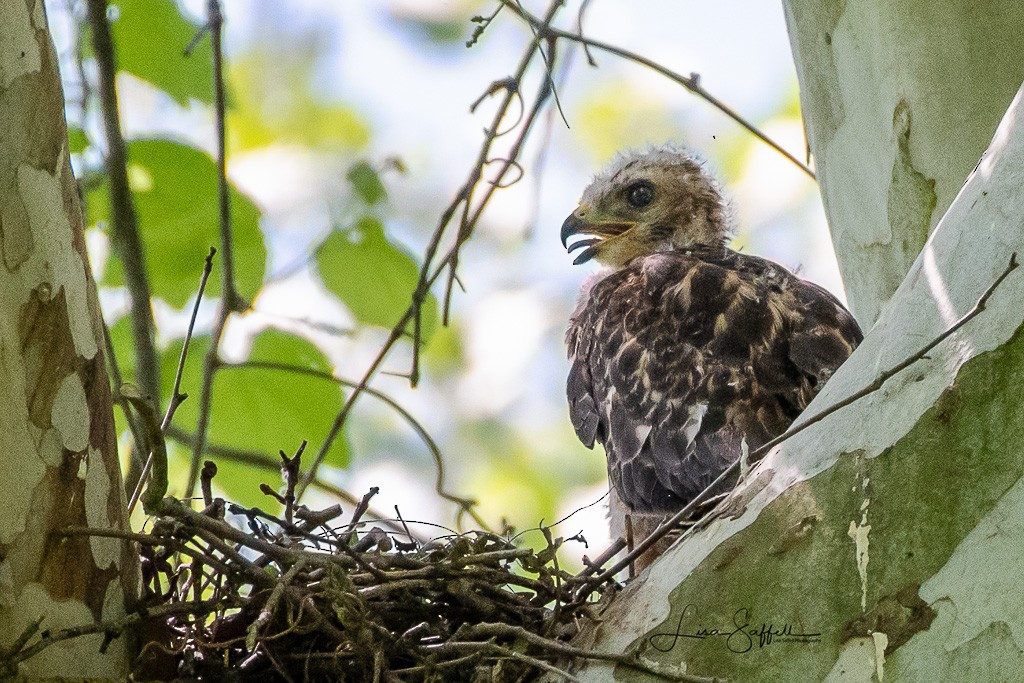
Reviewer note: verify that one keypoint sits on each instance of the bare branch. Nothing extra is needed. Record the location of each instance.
(124, 221)
(230, 300)
(430, 272)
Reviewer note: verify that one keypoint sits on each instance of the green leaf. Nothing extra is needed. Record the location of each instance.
(366, 183)
(175, 190)
(374, 278)
(77, 141)
(150, 38)
(260, 409)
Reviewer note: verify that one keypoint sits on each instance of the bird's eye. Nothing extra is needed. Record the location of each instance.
(640, 194)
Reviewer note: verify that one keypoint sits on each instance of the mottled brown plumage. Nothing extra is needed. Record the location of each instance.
(688, 352)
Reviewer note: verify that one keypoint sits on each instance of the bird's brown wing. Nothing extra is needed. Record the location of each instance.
(824, 333)
(680, 358)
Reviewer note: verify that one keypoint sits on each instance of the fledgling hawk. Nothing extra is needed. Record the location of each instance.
(686, 352)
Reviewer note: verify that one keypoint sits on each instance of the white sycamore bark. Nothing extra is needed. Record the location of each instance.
(899, 101)
(58, 457)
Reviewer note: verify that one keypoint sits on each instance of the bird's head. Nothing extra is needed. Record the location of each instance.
(645, 202)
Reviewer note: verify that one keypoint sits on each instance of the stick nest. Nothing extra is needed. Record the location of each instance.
(309, 596)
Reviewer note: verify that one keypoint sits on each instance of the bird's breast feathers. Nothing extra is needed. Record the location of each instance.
(680, 357)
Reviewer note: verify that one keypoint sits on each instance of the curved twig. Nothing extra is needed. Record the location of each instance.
(691, 82)
(430, 272)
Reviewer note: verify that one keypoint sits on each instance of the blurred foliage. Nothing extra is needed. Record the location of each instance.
(446, 354)
(366, 183)
(260, 409)
(175, 191)
(525, 471)
(617, 115)
(374, 278)
(151, 37)
(275, 102)
(437, 23)
(435, 31)
(733, 152)
(121, 339)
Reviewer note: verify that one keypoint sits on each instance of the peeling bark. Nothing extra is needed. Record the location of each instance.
(58, 456)
(899, 101)
(880, 543)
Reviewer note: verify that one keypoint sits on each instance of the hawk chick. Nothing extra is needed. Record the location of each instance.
(687, 352)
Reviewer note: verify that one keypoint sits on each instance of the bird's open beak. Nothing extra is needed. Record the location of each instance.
(574, 225)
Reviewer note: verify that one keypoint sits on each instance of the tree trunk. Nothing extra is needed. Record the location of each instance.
(885, 540)
(58, 457)
(899, 101)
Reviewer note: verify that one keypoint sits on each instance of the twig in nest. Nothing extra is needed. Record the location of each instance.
(270, 607)
(290, 474)
(361, 509)
(412, 544)
(206, 481)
